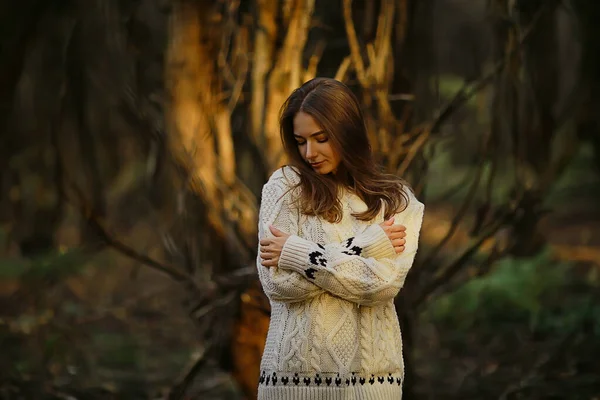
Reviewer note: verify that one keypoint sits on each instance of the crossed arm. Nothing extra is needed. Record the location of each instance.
(364, 269)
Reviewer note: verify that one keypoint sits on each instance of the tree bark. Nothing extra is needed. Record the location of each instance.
(541, 64)
(588, 14)
(264, 46)
(286, 76)
(190, 78)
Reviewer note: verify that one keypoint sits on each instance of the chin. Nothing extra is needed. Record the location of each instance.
(325, 170)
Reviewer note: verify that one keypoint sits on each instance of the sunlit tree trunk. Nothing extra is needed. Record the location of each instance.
(264, 47)
(189, 74)
(288, 73)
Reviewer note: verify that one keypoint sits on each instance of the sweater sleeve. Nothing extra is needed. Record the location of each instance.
(275, 209)
(344, 271)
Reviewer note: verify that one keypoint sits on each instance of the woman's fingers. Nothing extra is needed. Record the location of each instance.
(398, 230)
(397, 236)
(270, 248)
(387, 223)
(269, 253)
(270, 263)
(394, 229)
(399, 242)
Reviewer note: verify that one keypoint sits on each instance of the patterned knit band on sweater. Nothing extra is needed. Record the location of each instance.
(334, 331)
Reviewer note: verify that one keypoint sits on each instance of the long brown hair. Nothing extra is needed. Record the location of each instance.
(336, 109)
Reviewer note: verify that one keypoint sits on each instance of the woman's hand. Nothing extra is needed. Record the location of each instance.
(396, 234)
(270, 248)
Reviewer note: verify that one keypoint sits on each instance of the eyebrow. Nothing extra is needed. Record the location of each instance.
(311, 135)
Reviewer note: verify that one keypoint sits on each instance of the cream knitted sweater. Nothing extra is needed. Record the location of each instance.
(334, 331)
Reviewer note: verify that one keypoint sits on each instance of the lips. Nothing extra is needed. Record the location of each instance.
(316, 165)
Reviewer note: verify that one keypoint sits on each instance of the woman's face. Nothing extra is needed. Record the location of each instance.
(314, 144)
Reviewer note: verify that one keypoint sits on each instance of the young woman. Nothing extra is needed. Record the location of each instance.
(337, 238)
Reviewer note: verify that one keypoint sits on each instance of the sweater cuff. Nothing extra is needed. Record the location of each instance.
(377, 245)
(294, 254)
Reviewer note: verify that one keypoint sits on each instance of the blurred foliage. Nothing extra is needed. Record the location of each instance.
(539, 309)
(546, 295)
(51, 266)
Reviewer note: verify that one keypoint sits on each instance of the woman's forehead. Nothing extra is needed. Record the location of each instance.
(305, 125)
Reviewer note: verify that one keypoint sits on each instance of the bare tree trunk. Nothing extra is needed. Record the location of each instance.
(541, 63)
(287, 75)
(189, 80)
(588, 12)
(421, 57)
(23, 18)
(264, 47)
(79, 97)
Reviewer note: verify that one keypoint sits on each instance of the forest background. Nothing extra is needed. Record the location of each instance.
(135, 137)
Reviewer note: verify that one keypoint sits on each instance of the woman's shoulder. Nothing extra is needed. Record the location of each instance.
(286, 176)
(413, 202)
(282, 186)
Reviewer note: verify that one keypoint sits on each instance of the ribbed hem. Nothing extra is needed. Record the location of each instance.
(294, 254)
(367, 392)
(376, 243)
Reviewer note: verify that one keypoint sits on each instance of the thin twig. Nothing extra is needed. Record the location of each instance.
(200, 312)
(342, 72)
(463, 95)
(540, 363)
(178, 390)
(414, 150)
(471, 88)
(124, 249)
(449, 271)
(313, 61)
(355, 52)
(461, 211)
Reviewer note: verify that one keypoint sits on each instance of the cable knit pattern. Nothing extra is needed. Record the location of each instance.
(316, 344)
(366, 349)
(388, 337)
(334, 333)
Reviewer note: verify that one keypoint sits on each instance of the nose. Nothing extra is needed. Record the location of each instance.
(310, 151)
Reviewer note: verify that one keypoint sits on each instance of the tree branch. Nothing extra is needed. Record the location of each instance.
(471, 88)
(543, 360)
(178, 390)
(460, 213)
(94, 222)
(449, 271)
(355, 53)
